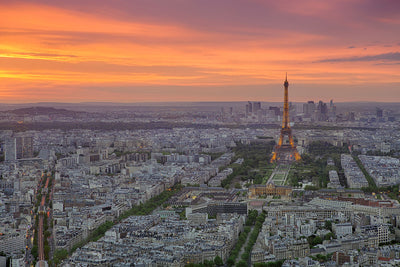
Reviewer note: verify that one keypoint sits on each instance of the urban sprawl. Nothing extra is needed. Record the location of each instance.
(194, 186)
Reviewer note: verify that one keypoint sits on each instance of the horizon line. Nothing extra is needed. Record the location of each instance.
(160, 102)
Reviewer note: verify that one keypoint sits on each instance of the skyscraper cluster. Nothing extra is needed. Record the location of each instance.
(252, 108)
(319, 112)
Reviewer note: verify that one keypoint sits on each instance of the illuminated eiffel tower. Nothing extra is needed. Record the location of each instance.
(282, 151)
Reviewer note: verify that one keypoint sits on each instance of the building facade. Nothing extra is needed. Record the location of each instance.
(269, 189)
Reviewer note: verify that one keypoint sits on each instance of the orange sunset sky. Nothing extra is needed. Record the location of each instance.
(203, 50)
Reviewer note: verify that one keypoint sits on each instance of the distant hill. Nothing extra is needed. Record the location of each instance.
(45, 111)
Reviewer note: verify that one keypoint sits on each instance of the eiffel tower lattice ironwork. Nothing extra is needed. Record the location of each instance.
(282, 151)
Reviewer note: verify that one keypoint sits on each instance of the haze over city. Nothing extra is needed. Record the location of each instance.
(152, 51)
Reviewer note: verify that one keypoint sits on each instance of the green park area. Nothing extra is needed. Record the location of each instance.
(278, 178)
(313, 165)
(255, 167)
(268, 170)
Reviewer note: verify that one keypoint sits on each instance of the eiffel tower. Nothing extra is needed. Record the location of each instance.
(282, 151)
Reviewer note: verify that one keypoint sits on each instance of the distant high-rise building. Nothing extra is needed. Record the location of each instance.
(292, 111)
(276, 110)
(379, 113)
(249, 108)
(322, 107)
(24, 147)
(322, 111)
(309, 108)
(256, 107)
(10, 152)
(253, 108)
(332, 111)
(18, 147)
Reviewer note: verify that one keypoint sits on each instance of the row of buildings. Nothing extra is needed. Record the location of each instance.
(384, 170)
(354, 176)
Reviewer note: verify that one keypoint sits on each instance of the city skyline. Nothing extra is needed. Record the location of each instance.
(153, 51)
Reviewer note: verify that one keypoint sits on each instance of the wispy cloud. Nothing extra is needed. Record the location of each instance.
(395, 56)
(387, 64)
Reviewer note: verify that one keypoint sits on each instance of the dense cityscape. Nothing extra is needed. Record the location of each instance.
(195, 186)
(199, 133)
